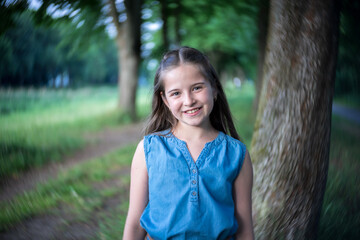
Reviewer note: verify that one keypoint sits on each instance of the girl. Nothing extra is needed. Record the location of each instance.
(189, 180)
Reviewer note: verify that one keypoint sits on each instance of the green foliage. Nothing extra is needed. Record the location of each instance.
(347, 70)
(240, 101)
(7, 9)
(35, 55)
(230, 30)
(225, 30)
(28, 52)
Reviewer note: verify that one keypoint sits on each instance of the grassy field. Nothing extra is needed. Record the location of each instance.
(38, 126)
(78, 189)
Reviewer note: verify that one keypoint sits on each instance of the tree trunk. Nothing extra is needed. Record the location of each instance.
(128, 42)
(128, 80)
(164, 18)
(177, 15)
(290, 146)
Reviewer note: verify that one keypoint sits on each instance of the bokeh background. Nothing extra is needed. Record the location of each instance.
(67, 137)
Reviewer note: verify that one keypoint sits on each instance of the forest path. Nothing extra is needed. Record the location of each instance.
(101, 143)
(58, 223)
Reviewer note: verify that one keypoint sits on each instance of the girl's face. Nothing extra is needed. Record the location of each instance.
(188, 95)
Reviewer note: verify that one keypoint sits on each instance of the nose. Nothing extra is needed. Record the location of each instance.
(189, 99)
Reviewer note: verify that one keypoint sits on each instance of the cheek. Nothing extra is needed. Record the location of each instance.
(208, 97)
(173, 105)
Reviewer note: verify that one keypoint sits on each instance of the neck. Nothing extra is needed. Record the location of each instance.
(189, 133)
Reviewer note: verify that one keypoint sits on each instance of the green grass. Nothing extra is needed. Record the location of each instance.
(112, 227)
(40, 126)
(76, 188)
(240, 101)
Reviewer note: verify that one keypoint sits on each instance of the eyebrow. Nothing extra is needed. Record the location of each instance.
(198, 83)
(172, 90)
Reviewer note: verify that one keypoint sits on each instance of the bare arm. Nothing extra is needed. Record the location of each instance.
(139, 196)
(242, 198)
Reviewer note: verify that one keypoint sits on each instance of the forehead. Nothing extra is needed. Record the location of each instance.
(182, 74)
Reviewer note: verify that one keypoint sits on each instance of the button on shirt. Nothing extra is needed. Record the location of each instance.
(187, 199)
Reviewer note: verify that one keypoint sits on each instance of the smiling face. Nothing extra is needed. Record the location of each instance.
(188, 95)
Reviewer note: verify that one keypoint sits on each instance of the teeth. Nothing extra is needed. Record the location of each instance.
(192, 111)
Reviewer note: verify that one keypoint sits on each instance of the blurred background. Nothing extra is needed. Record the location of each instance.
(75, 88)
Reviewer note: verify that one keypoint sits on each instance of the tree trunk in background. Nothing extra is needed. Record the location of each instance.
(290, 146)
(263, 22)
(164, 18)
(177, 23)
(128, 42)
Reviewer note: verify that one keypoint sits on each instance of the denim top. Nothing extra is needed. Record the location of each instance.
(187, 199)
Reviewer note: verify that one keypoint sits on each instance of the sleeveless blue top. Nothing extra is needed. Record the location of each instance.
(187, 199)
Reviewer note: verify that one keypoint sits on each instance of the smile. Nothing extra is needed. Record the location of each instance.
(192, 110)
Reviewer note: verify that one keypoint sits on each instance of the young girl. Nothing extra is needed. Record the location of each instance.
(189, 179)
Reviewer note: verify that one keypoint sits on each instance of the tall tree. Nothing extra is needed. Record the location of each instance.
(170, 17)
(164, 18)
(290, 146)
(128, 42)
(177, 16)
(126, 16)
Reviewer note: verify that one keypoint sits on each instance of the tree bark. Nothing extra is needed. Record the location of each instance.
(128, 42)
(290, 146)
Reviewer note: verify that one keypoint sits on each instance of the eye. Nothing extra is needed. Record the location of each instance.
(174, 94)
(197, 88)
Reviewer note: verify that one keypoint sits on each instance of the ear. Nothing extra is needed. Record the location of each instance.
(163, 97)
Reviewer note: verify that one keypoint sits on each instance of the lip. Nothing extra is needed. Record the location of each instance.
(195, 111)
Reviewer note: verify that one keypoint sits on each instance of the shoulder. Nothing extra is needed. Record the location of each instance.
(234, 143)
(237, 150)
(157, 144)
(156, 137)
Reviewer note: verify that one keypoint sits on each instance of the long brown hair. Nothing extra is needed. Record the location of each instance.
(161, 118)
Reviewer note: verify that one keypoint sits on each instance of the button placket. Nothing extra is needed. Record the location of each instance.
(194, 190)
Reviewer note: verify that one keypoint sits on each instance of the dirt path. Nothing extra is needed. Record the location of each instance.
(59, 223)
(103, 142)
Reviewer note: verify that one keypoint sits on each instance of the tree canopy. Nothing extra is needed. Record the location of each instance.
(36, 54)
